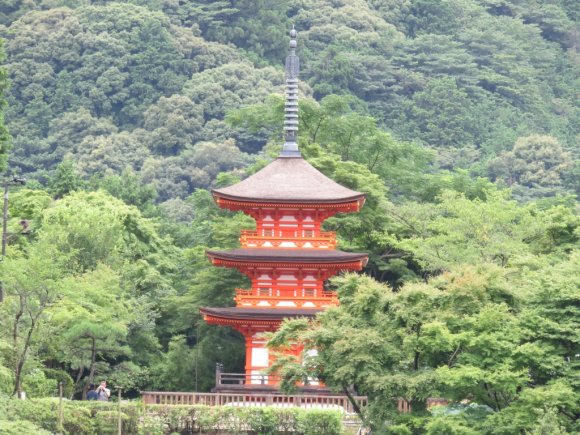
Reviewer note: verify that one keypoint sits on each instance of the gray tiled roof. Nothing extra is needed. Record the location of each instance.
(259, 313)
(288, 180)
(289, 255)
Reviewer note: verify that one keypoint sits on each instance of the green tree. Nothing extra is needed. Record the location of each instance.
(464, 335)
(65, 180)
(129, 188)
(409, 344)
(93, 320)
(202, 285)
(460, 230)
(174, 123)
(442, 115)
(32, 286)
(4, 136)
(534, 167)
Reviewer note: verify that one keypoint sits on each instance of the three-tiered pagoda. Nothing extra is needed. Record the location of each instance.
(288, 257)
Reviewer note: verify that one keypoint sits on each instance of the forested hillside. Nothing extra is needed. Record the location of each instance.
(458, 118)
(145, 85)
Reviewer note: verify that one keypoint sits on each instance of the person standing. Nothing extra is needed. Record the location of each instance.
(103, 393)
(92, 393)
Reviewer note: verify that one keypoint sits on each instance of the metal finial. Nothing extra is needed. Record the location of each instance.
(290, 148)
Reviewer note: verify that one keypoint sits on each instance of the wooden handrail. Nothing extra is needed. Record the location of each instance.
(326, 239)
(244, 378)
(245, 297)
(321, 235)
(275, 398)
(324, 294)
(250, 398)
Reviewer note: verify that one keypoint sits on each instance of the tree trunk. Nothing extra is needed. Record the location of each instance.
(91, 367)
(17, 317)
(77, 381)
(354, 405)
(20, 365)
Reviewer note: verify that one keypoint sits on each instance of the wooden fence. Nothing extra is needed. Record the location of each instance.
(248, 399)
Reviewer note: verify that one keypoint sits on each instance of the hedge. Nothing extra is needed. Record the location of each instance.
(102, 418)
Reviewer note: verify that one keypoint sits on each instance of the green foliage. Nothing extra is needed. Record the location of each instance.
(65, 180)
(264, 421)
(148, 104)
(18, 427)
(5, 139)
(96, 295)
(459, 230)
(463, 334)
(451, 426)
(138, 84)
(101, 418)
(318, 421)
(36, 384)
(535, 166)
(536, 408)
(129, 188)
(442, 114)
(31, 286)
(78, 417)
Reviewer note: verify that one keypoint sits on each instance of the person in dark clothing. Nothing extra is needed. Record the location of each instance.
(92, 393)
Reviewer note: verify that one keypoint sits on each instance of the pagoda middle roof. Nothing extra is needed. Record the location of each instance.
(289, 180)
(240, 313)
(272, 255)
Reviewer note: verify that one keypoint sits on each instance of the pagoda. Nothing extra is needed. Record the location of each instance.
(287, 257)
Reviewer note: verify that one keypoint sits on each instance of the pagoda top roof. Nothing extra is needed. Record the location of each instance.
(289, 180)
(276, 255)
(240, 313)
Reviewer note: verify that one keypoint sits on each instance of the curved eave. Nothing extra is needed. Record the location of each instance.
(235, 316)
(359, 199)
(290, 257)
(289, 181)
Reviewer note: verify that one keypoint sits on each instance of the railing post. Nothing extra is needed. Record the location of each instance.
(219, 368)
(60, 413)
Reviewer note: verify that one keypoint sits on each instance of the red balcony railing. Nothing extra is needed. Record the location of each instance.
(300, 297)
(252, 238)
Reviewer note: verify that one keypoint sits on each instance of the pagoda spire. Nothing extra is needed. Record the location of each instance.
(290, 148)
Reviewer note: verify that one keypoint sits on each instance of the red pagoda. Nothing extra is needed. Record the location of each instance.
(288, 257)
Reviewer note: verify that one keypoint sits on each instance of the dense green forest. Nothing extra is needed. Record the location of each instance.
(458, 118)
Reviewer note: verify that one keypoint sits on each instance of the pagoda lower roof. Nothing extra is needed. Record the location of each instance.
(275, 255)
(264, 314)
(289, 180)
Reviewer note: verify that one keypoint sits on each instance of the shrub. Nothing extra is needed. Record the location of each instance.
(287, 419)
(101, 418)
(207, 418)
(264, 421)
(314, 422)
(398, 429)
(61, 376)
(448, 425)
(36, 384)
(19, 427)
